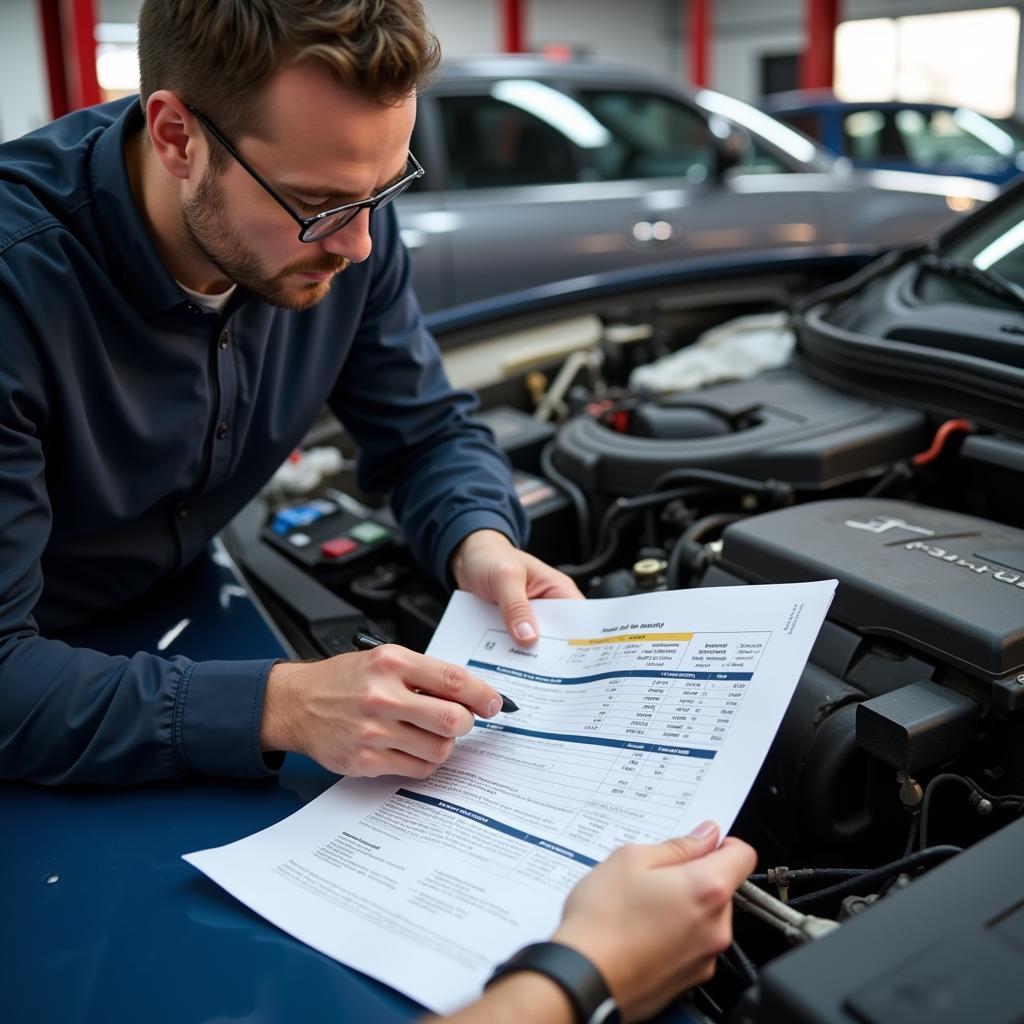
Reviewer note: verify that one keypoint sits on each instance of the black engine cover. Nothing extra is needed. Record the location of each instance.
(947, 585)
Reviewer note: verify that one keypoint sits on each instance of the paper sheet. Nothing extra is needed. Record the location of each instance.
(639, 718)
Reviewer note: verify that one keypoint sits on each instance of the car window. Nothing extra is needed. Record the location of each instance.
(492, 143)
(872, 135)
(526, 132)
(938, 136)
(650, 136)
(757, 158)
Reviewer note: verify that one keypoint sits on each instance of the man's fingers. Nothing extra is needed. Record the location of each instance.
(416, 742)
(680, 849)
(453, 683)
(508, 582)
(444, 718)
(720, 873)
(372, 764)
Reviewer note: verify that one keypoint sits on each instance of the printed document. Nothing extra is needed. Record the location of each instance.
(639, 718)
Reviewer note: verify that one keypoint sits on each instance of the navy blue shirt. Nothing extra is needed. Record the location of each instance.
(134, 425)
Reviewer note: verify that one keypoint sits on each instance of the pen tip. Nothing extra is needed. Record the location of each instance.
(507, 704)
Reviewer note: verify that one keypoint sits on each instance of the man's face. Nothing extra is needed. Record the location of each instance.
(319, 147)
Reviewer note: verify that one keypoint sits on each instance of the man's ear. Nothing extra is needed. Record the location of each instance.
(176, 134)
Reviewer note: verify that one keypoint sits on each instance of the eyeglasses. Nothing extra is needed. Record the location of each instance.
(320, 225)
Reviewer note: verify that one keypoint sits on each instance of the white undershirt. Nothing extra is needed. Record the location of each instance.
(214, 303)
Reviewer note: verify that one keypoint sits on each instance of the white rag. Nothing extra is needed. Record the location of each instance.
(736, 350)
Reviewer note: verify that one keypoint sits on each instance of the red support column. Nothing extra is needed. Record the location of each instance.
(513, 17)
(53, 45)
(817, 64)
(78, 31)
(700, 41)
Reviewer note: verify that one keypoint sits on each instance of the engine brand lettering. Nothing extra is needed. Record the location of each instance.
(942, 555)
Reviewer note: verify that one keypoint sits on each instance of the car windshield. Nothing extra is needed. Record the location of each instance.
(997, 244)
(926, 137)
(795, 144)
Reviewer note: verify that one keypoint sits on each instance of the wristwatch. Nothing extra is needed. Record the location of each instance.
(573, 973)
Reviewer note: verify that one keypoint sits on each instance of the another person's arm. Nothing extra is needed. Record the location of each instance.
(652, 919)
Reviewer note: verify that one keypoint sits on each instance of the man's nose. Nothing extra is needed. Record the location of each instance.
(353, 240)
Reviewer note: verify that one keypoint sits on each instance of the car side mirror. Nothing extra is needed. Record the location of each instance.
(729, 145)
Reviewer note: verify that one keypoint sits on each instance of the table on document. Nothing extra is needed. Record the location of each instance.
(612, 740)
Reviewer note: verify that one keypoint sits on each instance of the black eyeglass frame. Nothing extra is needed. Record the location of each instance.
(308, 224)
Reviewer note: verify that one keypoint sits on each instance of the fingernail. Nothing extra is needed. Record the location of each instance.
(494, 707)
(524, 631)
(703, 830)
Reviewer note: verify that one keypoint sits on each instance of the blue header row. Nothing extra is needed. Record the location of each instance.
(498, 826)
(627, 674)
(601, 741)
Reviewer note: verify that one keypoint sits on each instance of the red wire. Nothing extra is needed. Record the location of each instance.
(939, 441)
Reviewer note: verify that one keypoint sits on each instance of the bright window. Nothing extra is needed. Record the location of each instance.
(965, 58)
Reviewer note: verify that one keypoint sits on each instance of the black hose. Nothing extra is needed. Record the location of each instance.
(741, 964)
(574, 493)
(1008, 799)
(853, 886)
(812, 874)
(608, 532)
(691, 536)
(780, 492)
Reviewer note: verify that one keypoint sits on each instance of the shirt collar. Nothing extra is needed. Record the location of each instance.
(140, 272)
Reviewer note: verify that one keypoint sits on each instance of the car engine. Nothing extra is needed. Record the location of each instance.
(891, 800)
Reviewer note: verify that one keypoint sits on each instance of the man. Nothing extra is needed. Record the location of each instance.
(179, 295)
(184, 281)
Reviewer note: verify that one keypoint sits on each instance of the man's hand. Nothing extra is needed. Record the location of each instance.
(489, 565)
(388, 711)
(652, 919)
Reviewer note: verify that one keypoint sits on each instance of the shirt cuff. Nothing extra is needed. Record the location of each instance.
(217, 718)
(459, 529)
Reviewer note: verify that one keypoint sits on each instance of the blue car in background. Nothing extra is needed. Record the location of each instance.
(934, 138)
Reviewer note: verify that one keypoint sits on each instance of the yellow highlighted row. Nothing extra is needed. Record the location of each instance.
(630, 638)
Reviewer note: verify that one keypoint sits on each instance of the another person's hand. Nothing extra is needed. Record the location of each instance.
(388, 711)
(652, 919)
(490, 566)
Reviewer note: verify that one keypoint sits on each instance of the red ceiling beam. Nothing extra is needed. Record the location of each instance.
(699, 14)
(513, 20)
(817, 64)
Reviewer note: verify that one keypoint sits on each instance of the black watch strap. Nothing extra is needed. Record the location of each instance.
(573, 973)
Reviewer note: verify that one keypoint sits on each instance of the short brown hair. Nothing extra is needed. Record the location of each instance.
(218, 54)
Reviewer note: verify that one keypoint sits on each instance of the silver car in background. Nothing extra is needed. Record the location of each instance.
(538, 171)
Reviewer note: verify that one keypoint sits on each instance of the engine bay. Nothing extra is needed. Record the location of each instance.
(897, 777)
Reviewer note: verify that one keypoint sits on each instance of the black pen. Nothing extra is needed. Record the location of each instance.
(363, 641)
